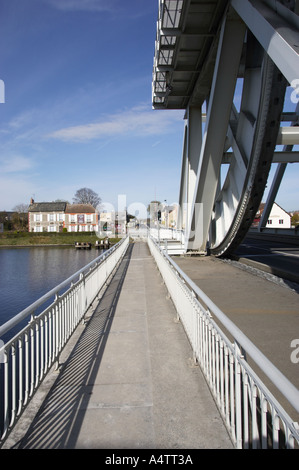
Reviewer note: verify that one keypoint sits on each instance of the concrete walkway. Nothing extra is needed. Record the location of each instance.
(129, 382)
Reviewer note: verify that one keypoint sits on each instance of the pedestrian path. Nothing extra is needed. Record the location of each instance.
(129, 382)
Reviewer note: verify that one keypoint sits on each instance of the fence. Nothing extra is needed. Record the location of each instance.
(28, 356)
(162, 233)
(252, 415)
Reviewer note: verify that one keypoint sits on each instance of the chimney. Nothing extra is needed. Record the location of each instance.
(32, 201)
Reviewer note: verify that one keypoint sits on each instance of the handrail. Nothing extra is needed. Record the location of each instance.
(27, 311)
(28, 355)
(268, 368)
(243, 399)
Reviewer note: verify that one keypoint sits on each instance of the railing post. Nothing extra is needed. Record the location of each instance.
(238, 397)
(32, 368)
(21, 375)
(5, 394)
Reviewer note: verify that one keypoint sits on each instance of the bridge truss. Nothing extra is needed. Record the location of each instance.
(234, 60)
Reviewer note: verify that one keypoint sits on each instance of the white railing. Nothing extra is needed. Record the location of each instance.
(162, 233)
(26, 358)
(252, 415)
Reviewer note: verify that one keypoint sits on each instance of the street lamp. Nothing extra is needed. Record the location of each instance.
(166, 214)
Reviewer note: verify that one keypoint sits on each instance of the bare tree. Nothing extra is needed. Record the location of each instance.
(21, 208)
(20, 216)
(87, 196)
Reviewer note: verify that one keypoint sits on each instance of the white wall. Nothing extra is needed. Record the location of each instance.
(278, 218)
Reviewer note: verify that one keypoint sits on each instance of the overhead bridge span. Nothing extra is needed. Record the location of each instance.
(230, 65)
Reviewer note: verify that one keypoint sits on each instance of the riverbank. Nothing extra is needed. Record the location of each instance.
(49, 239)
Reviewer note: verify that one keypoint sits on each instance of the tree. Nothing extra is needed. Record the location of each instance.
(87, 196)
(20, 217)
(295, 218)
(21, 208)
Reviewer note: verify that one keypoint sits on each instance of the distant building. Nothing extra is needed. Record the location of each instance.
(46, 216)
(112, 223)
(55, 216)
(80, 218)
(169, 216)
(278, 217)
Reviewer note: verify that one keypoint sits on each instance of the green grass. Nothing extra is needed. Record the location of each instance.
(31, 239)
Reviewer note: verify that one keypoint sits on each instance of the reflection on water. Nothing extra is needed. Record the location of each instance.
(28, 273)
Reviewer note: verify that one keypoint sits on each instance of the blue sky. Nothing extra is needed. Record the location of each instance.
(77, 109)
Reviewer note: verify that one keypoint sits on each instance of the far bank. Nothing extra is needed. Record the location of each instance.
(55, 239)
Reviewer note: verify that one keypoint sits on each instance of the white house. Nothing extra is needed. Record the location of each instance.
(80, 218)
(278, 217)
(46, 216)
(57, 216)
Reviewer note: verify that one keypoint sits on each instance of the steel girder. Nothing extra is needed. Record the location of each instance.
(201, 50)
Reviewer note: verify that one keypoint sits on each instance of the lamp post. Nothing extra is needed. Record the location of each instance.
(166, 214)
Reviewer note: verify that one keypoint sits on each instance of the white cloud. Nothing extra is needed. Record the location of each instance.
(82, 5)
(138, 121)
(16, 163)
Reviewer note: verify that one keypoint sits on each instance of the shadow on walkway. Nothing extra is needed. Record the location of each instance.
(58, 422)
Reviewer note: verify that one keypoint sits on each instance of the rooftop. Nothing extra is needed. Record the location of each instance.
(79, 209)
(47, 207)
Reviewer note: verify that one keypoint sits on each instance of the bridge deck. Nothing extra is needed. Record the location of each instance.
(265, 309)
(129, 381)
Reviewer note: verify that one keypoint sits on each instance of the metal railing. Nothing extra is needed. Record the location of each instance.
(162, 233)
(26, 358)
(252, 415)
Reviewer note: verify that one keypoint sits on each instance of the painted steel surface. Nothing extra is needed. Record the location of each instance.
(207, 53)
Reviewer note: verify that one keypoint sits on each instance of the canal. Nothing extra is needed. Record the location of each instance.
(28, 273)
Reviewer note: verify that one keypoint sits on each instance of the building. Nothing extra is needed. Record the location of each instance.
(80, 218)
(113, 223)
(278, 217)
(56, 216)
(46, 216)
(169, 216)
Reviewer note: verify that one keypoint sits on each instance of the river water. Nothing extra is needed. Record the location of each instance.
(28, 273)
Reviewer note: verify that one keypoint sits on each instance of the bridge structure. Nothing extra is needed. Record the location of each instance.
(130, 353)
(202, 49)
(228, 64)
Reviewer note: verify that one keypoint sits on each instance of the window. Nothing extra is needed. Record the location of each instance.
(270, 222)
(37, 217)
(280, 221)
